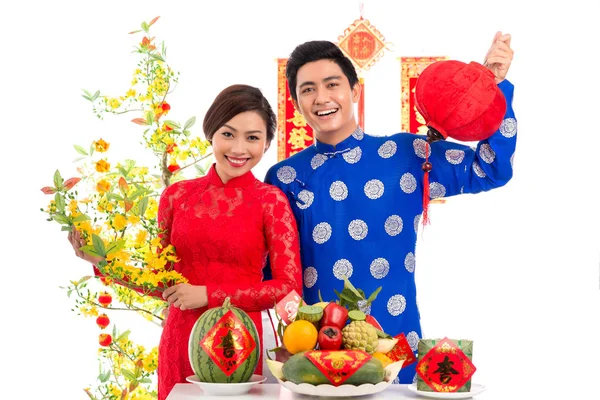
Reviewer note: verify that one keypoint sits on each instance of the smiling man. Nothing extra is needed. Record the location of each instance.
(357, 198)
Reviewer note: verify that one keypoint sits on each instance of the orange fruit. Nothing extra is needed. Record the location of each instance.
(300, 336)
(385, 360)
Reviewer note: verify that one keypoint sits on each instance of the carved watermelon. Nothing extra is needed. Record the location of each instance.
(224, 346)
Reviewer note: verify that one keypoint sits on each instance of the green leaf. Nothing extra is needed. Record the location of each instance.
(374, 295)
(123, 172)
(92, 149)
(104, 376)
(157, 57)
(338, 294)
(189, 123)
(145, 26)
(65, 228)
(59, 202)
(80, 218)
(113, 196)
(96, 95)
(98, 245)
(280, 330)
(115, 246)
(348, 296)
(145, 380)
(381, 334)
(61, 219)
(128, 374)
(90, 251)
(143, 205)
(87, 98)
(80, 150)
(58, 180)
(348, 285)
(149, 117)
(124, 335)
(135, 195)
(201, 171)
(172, 124)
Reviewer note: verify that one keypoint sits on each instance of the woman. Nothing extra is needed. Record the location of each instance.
(223, 226)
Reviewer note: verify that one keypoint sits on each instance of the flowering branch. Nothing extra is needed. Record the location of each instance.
(114, 208)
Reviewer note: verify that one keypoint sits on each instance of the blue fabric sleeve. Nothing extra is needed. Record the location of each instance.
(462, 169)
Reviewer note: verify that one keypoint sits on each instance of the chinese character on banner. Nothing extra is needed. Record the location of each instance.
(412, 67)
(364, 45)
(412, 121)
(293, 133)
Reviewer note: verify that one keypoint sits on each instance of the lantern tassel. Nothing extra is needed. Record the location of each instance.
(426, 167)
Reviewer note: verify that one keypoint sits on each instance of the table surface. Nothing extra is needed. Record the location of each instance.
(189, 391)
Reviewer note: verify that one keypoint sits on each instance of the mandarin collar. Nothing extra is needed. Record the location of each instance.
(237, 182)
(349, 143)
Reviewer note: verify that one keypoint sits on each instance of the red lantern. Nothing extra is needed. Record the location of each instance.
(459, 100)
(105, 339)
(104, 299)
(102, 321)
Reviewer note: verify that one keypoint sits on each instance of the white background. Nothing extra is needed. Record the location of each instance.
(515, 269)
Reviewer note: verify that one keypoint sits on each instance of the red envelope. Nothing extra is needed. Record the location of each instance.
(445, 368)
(402, 351)
(338, 365)
(228, 343)
(287, 308)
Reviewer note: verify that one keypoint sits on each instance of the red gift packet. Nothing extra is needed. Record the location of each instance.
(287, 308)
(445, 368)
(402, 351)
(338, 365)
(228, 343)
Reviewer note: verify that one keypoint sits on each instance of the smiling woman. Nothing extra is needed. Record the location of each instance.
(224, 226)
(239, 145)
(240, 125)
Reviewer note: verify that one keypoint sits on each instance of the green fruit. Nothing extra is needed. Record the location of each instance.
(360, 335)
(309, 313)
(299, 369)
(203, 365)
(357, 315)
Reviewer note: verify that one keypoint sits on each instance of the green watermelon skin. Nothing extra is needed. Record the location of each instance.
(203, 366)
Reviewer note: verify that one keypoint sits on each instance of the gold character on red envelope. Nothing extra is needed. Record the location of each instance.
(338, 365)
(228, 343)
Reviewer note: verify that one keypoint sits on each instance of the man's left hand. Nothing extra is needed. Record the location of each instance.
(499, 56)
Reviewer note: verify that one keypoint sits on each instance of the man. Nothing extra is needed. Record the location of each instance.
(358, 198)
